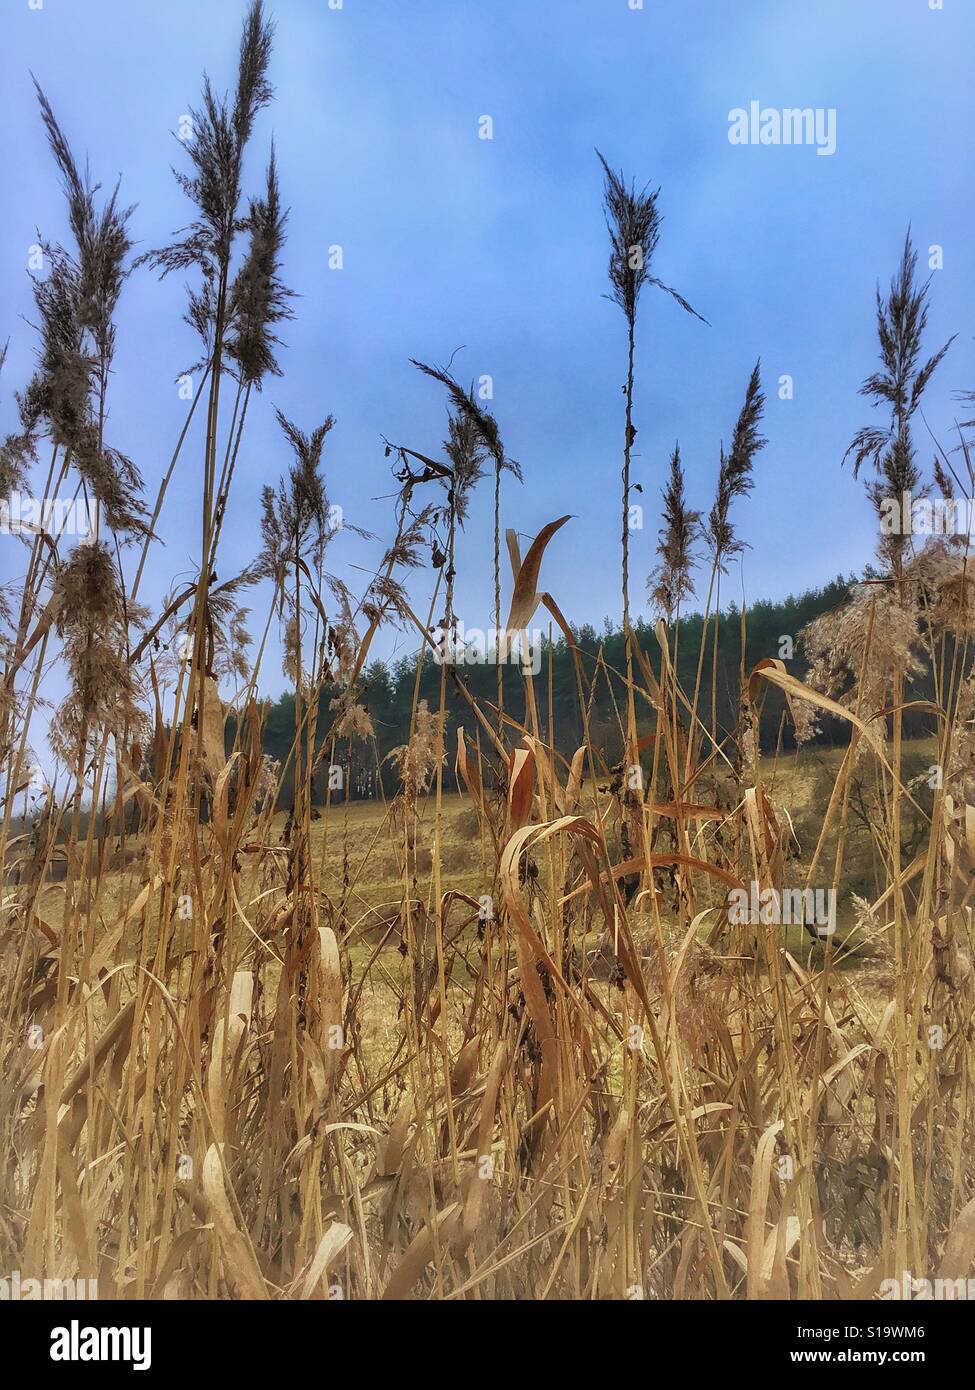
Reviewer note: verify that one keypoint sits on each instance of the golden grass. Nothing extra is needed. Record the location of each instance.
(504, 1036)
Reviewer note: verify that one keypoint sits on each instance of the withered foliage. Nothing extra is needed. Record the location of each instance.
(76, 302)
(278, 1058)
(671, 583)
(258, 297)
(419, 759)
(220, 134)
(735, 476)
(633, 220)
(898, 387)
(92, 621)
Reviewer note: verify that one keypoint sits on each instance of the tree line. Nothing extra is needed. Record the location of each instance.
(361, 767)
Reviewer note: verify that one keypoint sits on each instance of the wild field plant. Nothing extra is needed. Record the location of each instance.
(555, 1064)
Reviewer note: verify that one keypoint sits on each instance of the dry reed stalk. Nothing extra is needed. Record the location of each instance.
(213, 1087)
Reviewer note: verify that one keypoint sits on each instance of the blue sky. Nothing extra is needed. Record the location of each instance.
(499, 248)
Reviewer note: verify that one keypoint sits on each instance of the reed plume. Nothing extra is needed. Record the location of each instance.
(633, 220)
(671, 583)
(897, 386)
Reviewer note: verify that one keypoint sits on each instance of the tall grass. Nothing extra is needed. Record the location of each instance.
(580, 1075)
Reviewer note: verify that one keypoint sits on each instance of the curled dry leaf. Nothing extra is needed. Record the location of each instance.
(526, 598)
(521, 788)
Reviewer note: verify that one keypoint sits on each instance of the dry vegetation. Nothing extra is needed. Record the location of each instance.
(498, 1036)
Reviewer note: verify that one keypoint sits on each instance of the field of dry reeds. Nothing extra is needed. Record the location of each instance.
(526, 1024)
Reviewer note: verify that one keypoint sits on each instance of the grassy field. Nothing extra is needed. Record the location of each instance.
(532, 1028)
